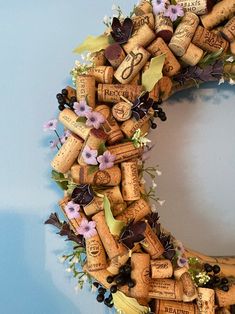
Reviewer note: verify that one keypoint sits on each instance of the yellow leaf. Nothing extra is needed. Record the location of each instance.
(93, 44)
(127, 305)
(115, 226)
(154, 73)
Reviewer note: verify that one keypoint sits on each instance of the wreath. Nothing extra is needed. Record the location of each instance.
(118, 244)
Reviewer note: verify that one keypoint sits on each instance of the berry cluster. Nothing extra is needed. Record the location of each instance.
(122, 278)
(101, 295)
(215, 281)
(64, 99)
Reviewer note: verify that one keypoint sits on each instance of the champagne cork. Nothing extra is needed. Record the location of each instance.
(96, 258)
(85, 85)
(209, 41)
(141, 38)
(108, 177)
(130, 126)
(117, 262)
(102, 74)
(228, 32)
(122, 111)
(143, 8)
(112, 247)
(69, 119)
(140, 274)
(189, 288)
(115, 55)
(95, 138)
(151, 244)
(192, 55)
(163, 27)
(110, 125)
(178, 272)
(171, 65)
(161, 269)
(198, 7)
(131, 65)
(125, 151)
(166, 307)
(222, 11)
(67, 154)
(232, 47)
(139, 21)
(136, 211)
(130, 181)
(225, 298)
(206, 301)
(99, 275)
(94, 207)
(165, 289)
(183, 34)
(98, 58)
(113, 92)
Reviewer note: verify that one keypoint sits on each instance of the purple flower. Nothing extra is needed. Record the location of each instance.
(87, 228)
(89, 155)
(81, 108)
(106, 160)
(53, 144)
(72, 210)
(67, 133)
(174, 11)
(180, 248)
(94, 119)
(50, 125)
(182, 261)
(159, 6)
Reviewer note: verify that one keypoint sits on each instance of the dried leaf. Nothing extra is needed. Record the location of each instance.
(94, 44)
(54, 221)
(133, 233)
(154, 73)
(125, 304)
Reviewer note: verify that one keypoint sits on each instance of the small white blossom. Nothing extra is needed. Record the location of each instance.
(85, 278)
(221, 81)
(231, 81)
(106, 19)
(77, 63)
(154, 185)
(83, 56)
(161, 203)
(77, 288)
(154, 208)
(158, 172)
(114, 7)
(230, 59)
(68, 270)
(62, 259)
(74, 260)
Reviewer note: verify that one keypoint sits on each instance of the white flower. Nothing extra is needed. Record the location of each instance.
(231, 81)
(85, 278)
(230, 59)
(221, 81)
(62, 259)
(74, 260)
(158, 172)
(154, 208)
(106, 19)
(77, 64)
(77, 288)
(154, 185)
(68, 270)
(161, 203)
(114, 7)
(83, 56)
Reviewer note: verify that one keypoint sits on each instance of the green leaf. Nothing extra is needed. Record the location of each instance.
(81, 119)
(211, 57)
(154, 73)
(102, 148)
(93, 169)
(94, 44)
(115, 226)
(57, 176)
(62, 185)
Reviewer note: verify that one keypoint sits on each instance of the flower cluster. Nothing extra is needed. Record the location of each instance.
(179, 254)
(93, 119)
(60, 140)
(82, 68)
(106, 160)
(172, 11)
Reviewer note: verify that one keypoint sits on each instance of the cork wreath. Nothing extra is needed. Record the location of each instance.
(118, 244)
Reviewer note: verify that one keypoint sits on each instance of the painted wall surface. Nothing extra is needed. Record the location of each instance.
(194, 149)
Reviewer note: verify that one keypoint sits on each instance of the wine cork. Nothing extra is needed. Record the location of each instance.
(130, 181)
(99, 276)
(145, 128)
(102, 74)
(178, 272)
(110, 125)
(140, 274)
(113, 92)
(136, 80)
(171, 65)
(189, 288)
(69, 119)
(229, 68)
(115, 55)
(119, 208)
(225, 298)
(165, 289)
(85, 85)
(183, 34)
(98, 58)
(107, 177)
(67, 154)
(151, 244)
(222, 11)
(139, 21)
(166, 307)
(117, 262)
(192, 55)
(232, 47)
(71, 93)
(125, 151)
(206, 301)
(136, 211)
(228, 32)
(141, 38)
(209, 41)
(112, 247)
(143, 7)
(163, 27)
(95, 138)
(130, 126)
(198, 7)
(131, 65)
(96, 258)
(223, 310)
(94, 207)
(113, 194)
(163, 89)
(161, 269)
(122, 111)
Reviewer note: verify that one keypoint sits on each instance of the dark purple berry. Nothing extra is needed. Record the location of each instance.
(120, 280)
(109, 279)
(127, 269)
(61, 101)
(59, 96)
(153, 125)
(216, 269)
(208, 268)
(100, 298)
(96, 284)
(73, 99)
(131, 283)
(216, 280)
(108, 303)
(64, 92)
(61, 107)
(224, 281)
(155, 106)
(101, 290)
(113, 289)
(225, 288)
